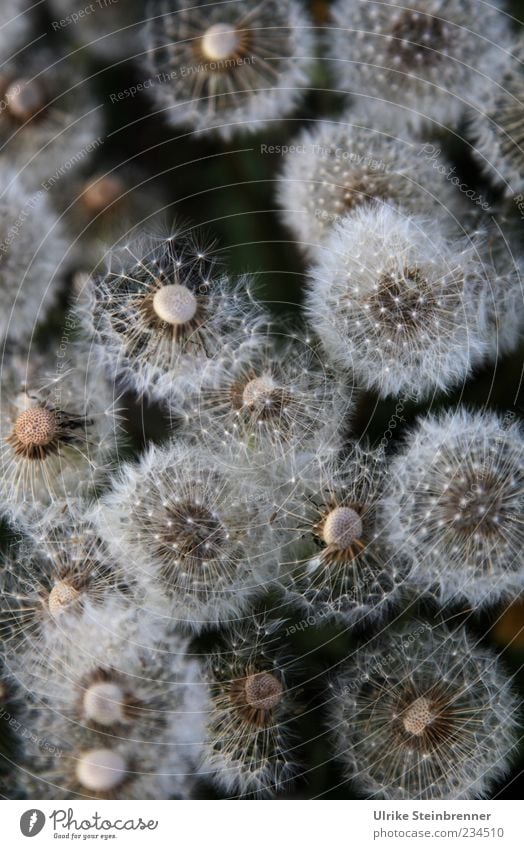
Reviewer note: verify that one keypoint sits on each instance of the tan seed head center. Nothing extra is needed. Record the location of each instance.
(101, 770)
(24, 99)
(342, 527)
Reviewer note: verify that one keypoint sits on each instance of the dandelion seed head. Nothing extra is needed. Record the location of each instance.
(101, 770)
(61, 597)
(25, 99)
(103, 703)
(175, 304)
(453, 506)
(248, 62)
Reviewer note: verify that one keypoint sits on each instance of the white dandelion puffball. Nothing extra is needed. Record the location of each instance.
(399, 304)
(337, 168)
(119, 692)
(228, 67)
(423, 714)
(193, 535)
(454, 506)
(426, 57)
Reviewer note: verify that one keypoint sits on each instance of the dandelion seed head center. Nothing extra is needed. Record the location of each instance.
(101, 193)
(103, 703)
(61, 596)
(342, 527)
(220, 41)
(474, 504)
(24, 99)
(36, 426)
(263, 691)
(403, 300)
(101, 770)
(418, 716)
(175, 304)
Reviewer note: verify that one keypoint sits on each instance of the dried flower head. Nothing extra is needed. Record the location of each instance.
(425, 57)
(161, 310)
(497, 125)
(191, 534)
(334, 559)
(423, 714)
(248, 747)
(32, 249)
(266, 398)
(228, 67)
(454, 506)
(401, 307)
(59, 432)
(48, 120)
(337, 168)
